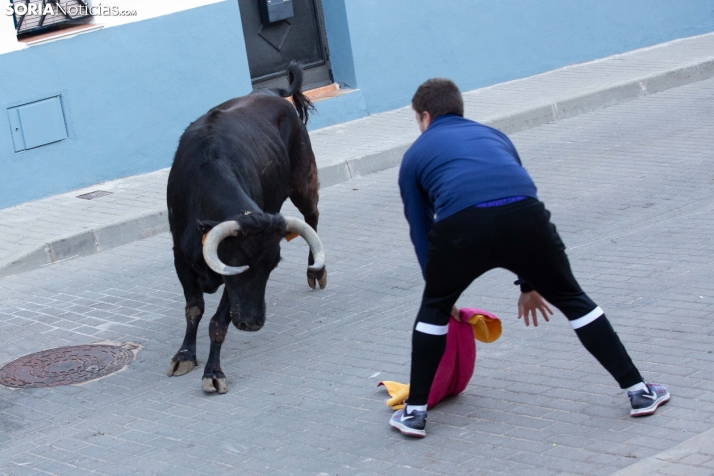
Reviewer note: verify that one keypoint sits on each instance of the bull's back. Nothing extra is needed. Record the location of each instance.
(242, 143)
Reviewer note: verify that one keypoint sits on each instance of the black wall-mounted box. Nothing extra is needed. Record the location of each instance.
(275, 10)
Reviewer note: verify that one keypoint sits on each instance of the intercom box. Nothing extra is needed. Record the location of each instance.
(276, 10)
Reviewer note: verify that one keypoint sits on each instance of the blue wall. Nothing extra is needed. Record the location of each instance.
(339, 41)
(337, 110)
(388, 47)
(128, 93)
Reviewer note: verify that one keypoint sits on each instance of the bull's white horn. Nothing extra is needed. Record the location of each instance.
(210, 248)
(308, 234)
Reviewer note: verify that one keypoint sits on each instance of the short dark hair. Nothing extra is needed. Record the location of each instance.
(438, 96)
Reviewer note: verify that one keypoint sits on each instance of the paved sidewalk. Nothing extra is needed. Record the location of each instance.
(694, 457)
(51, 230)
(630, 188)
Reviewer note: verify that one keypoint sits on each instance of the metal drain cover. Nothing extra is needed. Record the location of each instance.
(93, 195)
(67, 365)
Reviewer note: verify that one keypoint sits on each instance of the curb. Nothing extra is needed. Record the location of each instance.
(155, 222)
(88, 242)
(672, 459)
(588, 101)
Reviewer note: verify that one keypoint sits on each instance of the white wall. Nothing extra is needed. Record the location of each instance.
(8, 40)
(145, 9)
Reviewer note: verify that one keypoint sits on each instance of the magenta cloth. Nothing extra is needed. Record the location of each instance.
(457, 364)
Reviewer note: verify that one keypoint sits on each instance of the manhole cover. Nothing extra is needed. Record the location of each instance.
(66, 365)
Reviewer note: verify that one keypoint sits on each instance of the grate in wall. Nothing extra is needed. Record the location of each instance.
(93, 195)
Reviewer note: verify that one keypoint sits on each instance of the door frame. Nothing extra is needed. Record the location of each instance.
(312, 77)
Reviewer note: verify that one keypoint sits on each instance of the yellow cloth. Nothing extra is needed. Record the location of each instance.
(486, 329)
(398, 391)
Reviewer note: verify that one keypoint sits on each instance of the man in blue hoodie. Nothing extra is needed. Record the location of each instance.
(472, 207)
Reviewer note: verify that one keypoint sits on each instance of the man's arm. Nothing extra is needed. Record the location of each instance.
(525, 287)
(417, 210)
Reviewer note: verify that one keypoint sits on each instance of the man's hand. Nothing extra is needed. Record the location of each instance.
(530, 303)
(455, 313)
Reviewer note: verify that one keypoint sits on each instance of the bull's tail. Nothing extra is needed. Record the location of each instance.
(302, 103)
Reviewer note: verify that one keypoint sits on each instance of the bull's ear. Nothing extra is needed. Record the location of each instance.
(280, 228)
(204, 226)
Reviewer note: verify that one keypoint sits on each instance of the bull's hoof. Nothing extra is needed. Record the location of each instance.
(180, 367)
(313, 279)
(210, 385)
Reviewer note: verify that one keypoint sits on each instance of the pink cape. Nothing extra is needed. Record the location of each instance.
(457, 364)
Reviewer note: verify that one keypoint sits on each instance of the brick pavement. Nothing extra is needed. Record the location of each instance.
(694, 457)
(630, 188)
(63, 227)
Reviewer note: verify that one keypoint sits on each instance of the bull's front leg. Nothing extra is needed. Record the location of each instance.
(311, 218)
(305, 195)
(214, 380)
(185, 359)
(320, 275)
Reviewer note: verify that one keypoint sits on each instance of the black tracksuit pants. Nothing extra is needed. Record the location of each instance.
(518, 237)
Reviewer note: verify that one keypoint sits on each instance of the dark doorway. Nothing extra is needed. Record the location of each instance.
(271, 46)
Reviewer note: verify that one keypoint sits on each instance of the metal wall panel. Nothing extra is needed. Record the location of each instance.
(38, 123)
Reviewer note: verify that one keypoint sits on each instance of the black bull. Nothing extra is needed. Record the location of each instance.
(234, 168)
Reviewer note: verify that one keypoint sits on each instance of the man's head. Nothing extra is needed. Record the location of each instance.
(436, 97)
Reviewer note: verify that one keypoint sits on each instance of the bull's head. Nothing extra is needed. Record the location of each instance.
(251, 247)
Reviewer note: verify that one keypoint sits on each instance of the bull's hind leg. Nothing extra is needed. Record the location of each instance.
(305, 197)
(213, 377)
(185, 359)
